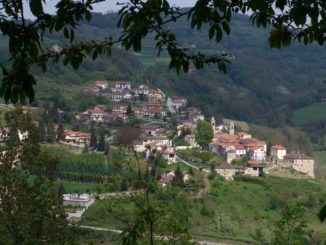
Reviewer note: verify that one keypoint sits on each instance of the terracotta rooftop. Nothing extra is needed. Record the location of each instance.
(278, 147)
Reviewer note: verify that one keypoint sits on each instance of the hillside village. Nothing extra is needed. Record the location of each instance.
(242, 153)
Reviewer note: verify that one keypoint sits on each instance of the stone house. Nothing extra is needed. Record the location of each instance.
(299, 162)
(253, 168)
(227, 170)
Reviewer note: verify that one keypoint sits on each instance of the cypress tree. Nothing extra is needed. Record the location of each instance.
(93, 140)
(129, 110)
(60, 132)
(50, 137)
(53, 113)
(42, 131)
(101, 143)
(178, 178)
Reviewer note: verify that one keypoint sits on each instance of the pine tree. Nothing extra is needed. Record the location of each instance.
(129, 110)
(178, 178)
(60, 132)
(50, 137)
(101, 143)
(93, 140)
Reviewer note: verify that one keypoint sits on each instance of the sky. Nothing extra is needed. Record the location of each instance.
(108, 5)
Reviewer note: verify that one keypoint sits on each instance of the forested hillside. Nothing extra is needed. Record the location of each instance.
(263, 85)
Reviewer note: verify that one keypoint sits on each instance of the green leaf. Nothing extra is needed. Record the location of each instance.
(66, 33)
(72, 35)
(36, 7)
(226, 27)
(219, 34)
(211, 32)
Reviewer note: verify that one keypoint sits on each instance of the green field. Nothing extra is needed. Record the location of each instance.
(80, 188)
(312, 112)
(239, 209)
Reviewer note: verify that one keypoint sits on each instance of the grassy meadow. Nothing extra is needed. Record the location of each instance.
(311, 112)
(239, 209)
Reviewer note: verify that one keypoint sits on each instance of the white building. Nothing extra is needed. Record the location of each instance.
(278, 152)
(123, 85)
(120, 96)
(103, 85)
(95, 115)
(257, 153)
(191, 140)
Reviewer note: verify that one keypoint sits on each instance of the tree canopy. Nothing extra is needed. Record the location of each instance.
(290, 20)
(204, 133)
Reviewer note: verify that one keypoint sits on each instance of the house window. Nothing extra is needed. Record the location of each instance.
(255, 168)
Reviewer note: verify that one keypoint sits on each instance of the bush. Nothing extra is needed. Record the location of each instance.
(250, 179)
(205, 212)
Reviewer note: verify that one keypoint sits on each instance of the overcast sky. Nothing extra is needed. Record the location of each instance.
(108, 5)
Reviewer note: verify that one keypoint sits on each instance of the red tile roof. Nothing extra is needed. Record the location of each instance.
(278, 147)
(243, 133)
(95, 111)
(101, 82)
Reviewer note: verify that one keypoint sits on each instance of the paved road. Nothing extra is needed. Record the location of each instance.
(169, 105)
(191, 165)
(201, 242)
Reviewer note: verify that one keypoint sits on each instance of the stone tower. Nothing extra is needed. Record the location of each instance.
(213, 124)
(231, 128)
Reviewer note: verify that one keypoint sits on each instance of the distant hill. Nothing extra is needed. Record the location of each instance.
(263, 85)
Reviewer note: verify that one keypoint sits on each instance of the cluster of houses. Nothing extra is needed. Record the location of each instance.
(151, 102)
(122, 91)
(155, 147)
(231, 146)
(234, 147)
